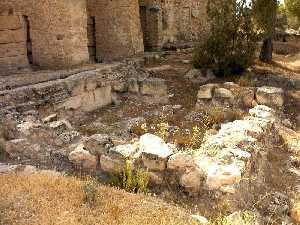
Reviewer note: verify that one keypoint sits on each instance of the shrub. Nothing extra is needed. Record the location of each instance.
(131, 181)
(231, 44)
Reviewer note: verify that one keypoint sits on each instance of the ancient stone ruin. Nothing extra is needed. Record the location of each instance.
(60, 34)
(88, 87)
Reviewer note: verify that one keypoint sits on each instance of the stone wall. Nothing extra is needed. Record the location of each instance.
(171, 21)
(118, 28)
(12, 42)
(85, 90)
(55, 30)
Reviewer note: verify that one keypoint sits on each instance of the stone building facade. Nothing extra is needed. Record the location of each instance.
(171, 21)
(115, 30)
(62, 33)
(48, 34)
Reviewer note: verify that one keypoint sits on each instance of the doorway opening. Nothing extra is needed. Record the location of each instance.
(28, 39)
(91, 31)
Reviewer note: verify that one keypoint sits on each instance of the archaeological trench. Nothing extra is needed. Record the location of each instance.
(88, 86)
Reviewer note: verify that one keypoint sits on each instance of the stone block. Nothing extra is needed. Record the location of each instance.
(12, 36)
(81, 157)
(223, 93)
(155, 152)
(12, 49)
(10, 23)
(180, 161)
(206, 91)
(98, 144)
(270, 96)
(222, 175)
(23, 149)
(115, 160)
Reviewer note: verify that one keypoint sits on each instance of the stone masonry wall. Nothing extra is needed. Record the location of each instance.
(118, 28)
(58, 32)
(12, 42)
(171, 21)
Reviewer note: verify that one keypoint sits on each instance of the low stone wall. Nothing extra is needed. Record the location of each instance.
(231, 94)
(86, 91)
(218, 165)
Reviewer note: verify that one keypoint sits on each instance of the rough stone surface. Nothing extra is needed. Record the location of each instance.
(82, 157)
(219, 176)
(180, 161)
(223, 93)
(115, 160)
(270, 96)
(155, 152)
(206, 91)
(23, 149)
(55, 41)
(290, 137)
(98, 144)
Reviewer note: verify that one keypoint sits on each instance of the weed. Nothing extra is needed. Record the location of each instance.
(212, 152)
(2, 150)
(238, 218)
(163, 131)
(130, 181)
(196, 137)
(90, 189)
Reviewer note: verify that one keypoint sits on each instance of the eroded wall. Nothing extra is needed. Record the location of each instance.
(118, 28)
(171, 21)
(58, 33)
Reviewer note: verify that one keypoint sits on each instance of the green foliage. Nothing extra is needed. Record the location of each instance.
(293, 7)
(130, 181)
(231, 43)
(90, 189)
(264, 12)
(292, 10)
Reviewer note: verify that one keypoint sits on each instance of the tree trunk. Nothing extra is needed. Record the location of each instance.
(266, 50)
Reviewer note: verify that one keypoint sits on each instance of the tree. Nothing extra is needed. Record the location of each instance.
(293, 7)
(231, 41)
(264, 12)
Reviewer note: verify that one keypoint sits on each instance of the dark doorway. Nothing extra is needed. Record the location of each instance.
(91, 31)
(28, 39)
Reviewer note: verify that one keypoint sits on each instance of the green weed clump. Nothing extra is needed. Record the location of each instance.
(90, 189)
(131, 181)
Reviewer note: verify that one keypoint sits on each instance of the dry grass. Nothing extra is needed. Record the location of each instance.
(43, 200)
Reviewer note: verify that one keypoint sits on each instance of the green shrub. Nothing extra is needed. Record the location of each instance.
(231, 43)
(131, 181)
